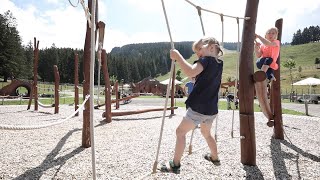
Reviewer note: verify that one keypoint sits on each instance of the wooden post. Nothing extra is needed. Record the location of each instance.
(86, 85)
(76, 83)
(107, 90)
(31, 96)
(173, 88)
(35, 73)
(117, 93)
(276, 94)
(56, 89)
(246, 86)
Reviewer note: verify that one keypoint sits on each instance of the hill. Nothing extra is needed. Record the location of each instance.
(304, 55)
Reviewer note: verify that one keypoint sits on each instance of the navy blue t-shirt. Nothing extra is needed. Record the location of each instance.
(205, 94)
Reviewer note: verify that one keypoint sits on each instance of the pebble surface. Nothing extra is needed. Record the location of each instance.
(126, 148)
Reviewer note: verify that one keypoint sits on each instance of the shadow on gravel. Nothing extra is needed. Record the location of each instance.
(278, 156)
(253, 172)
(300, 151)
(51, 161)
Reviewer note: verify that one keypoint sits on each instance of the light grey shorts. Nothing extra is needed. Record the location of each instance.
(198, 118)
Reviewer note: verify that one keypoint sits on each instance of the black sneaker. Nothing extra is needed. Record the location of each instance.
(209, 158)
(172, 168)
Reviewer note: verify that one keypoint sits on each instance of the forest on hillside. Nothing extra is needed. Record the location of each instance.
(130, 63)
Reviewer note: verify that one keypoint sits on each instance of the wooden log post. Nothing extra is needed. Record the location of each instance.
(246, 86)
(76, 83)
(56, 89)
(276, 93)
(86, 142)
(107, 90)
(139, 111)
(173, 86)
(31, 96)
(117, 93)
(35, 73)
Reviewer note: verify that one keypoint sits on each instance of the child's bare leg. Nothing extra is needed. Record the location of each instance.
(205, 131)
(184, 127)
(264, 68)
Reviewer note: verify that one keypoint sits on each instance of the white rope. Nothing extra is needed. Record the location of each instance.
(87, 12)
(92, 62)
(245, 18)
(12, 127)
(199, 13)
(235, 99)
(221, 44)
(168, 91)
(45, 106)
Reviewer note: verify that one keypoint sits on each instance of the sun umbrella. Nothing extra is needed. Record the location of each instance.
(310, 81)
(167, 82)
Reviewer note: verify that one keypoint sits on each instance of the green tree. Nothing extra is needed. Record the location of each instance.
(12, 56)
(290, 64)
(178, 75)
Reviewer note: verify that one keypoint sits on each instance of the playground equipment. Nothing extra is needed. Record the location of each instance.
(11, 89)
(235, 98)
(34, 90)
(246, 86)
(108, 114)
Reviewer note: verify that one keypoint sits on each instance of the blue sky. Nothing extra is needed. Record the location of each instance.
(137, 21)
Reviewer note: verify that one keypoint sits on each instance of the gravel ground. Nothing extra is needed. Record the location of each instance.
(126, 148)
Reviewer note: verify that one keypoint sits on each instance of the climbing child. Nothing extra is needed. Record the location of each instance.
(202, 102)
(268, 52)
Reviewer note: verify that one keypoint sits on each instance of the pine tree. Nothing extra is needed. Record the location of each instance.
(12, 57)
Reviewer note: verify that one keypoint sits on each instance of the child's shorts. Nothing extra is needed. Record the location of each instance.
(198, 118)
(266, 61)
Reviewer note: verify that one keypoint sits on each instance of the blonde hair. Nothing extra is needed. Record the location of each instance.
(207, 41)
(275, 30)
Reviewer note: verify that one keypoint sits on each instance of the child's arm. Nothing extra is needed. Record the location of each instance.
(266, 41)
(188, 69)
(257, 50)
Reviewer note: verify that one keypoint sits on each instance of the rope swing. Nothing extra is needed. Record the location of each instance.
(245, 18)
(173, 64)
(168, 91)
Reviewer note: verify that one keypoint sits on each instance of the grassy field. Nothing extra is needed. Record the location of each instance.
(70, 101)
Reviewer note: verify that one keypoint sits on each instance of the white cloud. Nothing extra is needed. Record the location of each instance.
(65, 26)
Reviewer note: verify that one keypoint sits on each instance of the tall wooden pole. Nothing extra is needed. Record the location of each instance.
(276, 93)
(173, 86)
(246, 86)
(35, 73)
(86, 86)
(87, 80)
(117, 93)
(107, 90)
(56, 89)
